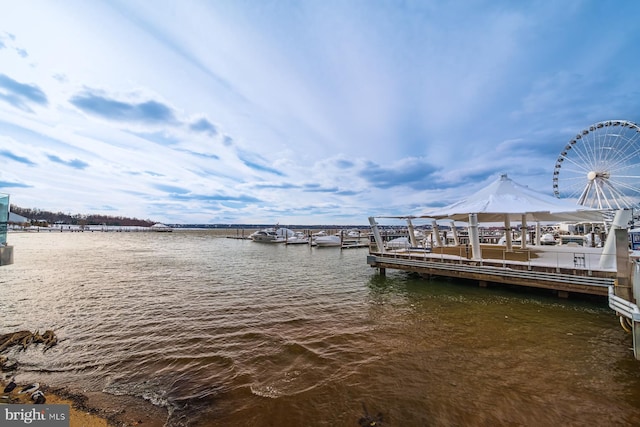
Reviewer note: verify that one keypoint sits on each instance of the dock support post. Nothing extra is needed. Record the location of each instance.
(635, 331)
(476, 255)
(376, 234)
(608, 256)
(623, 286)
(507, 233)
(383, 271)
(435, 233)
(523, 232)
(6, 255)
(456, 241)
(412, 234)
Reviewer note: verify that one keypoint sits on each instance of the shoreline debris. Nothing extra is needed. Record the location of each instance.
(26, 338)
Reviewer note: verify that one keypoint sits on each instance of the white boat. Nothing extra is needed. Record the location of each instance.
(548, 239)
(161, 227)
(572, 240)
(353, 233)
(515, 241)
(398, 243)
(298, 238)
(597, 242)
(268, 235)
(327, 241)
(272, 235)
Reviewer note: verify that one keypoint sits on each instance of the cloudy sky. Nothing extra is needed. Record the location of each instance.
(299, 112)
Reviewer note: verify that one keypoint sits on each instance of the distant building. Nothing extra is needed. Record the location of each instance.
(4, 218)
(6, 252)
(14, 218)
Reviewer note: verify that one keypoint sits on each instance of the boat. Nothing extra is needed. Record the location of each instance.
(299, 238)
(592, 240)
(161, 227)
(572, 240)
(272, 235)
(398, 243)
(548, 239)
(327, 241)
(353, 233)
(515, 240)
(267, 235)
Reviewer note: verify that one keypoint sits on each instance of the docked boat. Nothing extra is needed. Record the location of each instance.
(272, 235)
(572, 240)
(327, 241)
(268, 235)
(398, 243)
(548, 239)
(298, 238)
(353, 234)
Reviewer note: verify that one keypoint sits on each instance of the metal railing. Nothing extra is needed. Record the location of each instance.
(481, 268)
(622, 306)
(575, 260)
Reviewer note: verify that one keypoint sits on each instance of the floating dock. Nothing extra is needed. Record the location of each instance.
(561, 269)
(564, 269)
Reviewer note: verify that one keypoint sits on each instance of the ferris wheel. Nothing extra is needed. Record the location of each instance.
(600, 166)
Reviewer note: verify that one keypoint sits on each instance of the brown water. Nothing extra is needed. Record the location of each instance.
(228, 332)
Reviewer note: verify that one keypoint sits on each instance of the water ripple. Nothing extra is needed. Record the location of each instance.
(235, 333)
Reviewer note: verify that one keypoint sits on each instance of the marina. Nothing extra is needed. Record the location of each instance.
(344, 239)
(229, 332)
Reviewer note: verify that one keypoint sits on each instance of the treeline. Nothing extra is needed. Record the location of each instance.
(40, 216)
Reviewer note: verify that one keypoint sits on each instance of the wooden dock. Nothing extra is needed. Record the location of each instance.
(562, 269)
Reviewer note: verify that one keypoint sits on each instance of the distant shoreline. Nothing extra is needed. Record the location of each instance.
(232, 232)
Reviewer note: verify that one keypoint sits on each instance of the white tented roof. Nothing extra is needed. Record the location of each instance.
(505, 198)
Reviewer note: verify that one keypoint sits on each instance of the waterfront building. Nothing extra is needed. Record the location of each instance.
(6, 251)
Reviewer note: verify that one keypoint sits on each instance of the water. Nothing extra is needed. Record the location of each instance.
(229, 332)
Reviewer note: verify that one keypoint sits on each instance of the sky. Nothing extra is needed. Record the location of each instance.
(299, 112)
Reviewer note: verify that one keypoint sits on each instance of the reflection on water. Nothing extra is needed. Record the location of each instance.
(230, 332)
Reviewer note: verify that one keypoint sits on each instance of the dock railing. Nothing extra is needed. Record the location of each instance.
(574, 258)
(629, 318)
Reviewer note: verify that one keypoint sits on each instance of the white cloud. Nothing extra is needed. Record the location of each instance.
(297, 112)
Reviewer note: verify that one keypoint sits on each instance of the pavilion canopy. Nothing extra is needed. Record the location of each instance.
(505, 199)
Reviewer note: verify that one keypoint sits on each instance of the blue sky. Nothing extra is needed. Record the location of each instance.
(299, 112)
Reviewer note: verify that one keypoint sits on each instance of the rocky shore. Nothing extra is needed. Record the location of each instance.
(92, 409)
(87, 409)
